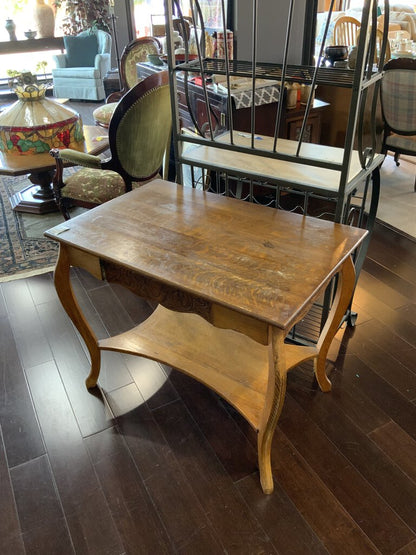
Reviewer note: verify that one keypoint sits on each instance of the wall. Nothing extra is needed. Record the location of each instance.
(272, 21)
(124, 26)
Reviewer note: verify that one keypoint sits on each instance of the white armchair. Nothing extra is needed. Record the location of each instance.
(80, 72)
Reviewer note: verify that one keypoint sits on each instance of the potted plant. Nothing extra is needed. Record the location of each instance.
(11, 75)
(84, 14)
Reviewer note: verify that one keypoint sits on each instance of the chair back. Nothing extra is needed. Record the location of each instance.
(398, 96)
(140, 130)
(135, 52)
(345, 30)
(103, 39)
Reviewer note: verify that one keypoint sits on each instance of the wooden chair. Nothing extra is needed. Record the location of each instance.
(398, 107)
(139, 136)
(136, 51)
(379, 45)
(345, 30)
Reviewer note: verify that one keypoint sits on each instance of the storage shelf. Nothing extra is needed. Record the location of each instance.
(337, 77)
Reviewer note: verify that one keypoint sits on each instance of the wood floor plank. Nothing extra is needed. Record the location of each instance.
(393, 250)
(21, 434)
(151, 378)
(390, 296)
(381, 473)
(390, 279)
(384, 363)
(398, 445)
(138, 309)
(380, 523)
(324, 514)
(398, 331)
(89, 518)
(115, 318)
(237, 528)
(3, 310)
(408, 550)
(133, 512)
(24, 319)
(408, 312)
(10, 534)
(399, 409)
(41, 288)
(138, 427)
(350, 398)
(280, 519)
(161, 473)
(41, 517)
(73, 366)
(229, 443)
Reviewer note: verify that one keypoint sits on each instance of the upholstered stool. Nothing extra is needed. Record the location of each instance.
(102, 114)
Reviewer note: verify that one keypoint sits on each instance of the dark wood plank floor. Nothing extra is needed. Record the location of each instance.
(153, 462)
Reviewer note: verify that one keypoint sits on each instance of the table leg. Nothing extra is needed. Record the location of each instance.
(275, 397)
(343, 295)
(66, 296)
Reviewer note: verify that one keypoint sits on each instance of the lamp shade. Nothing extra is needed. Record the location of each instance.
(34, 124)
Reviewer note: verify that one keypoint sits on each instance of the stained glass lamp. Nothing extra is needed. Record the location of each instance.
(34, 124)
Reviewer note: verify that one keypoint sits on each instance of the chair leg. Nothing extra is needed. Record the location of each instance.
(396, 158)
(64, 205)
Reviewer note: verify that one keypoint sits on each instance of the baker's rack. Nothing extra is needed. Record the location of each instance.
(339, 184)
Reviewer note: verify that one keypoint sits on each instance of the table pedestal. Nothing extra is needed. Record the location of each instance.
(37, 198)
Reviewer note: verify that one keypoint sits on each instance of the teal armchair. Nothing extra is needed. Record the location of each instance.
(79, 73)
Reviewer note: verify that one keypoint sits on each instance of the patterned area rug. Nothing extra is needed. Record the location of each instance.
(23, 248)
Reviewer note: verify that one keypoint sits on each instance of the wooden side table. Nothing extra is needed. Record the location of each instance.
(231, 278)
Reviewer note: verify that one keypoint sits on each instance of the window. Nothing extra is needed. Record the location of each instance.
(149, 13)
(20, 11)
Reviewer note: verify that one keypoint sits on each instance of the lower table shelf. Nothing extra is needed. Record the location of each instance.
(228, 362)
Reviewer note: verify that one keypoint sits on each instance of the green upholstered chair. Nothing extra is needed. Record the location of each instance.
(135, 52)
(139, 137)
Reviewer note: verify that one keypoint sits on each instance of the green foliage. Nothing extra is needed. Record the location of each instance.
(41, 66)
(84, 14)
(14, 7)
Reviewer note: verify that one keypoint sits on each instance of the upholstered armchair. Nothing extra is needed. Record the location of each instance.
(139, 138)
(134, 52)
(80, 72)
(398, 106)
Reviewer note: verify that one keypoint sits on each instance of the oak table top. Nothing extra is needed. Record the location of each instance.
(231, 279)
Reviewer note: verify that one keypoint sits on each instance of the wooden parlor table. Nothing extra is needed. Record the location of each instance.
(38, 197)
(230, 278)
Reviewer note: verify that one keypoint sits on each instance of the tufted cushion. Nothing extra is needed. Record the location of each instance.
(95, 186)
(91, 185)
(103, 114)
(402, 142)
(81, 50)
